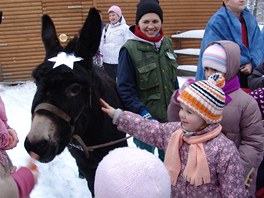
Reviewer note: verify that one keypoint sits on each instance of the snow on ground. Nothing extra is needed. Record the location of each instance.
(59, 178)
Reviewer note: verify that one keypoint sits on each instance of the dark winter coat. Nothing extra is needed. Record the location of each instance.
(256, 79)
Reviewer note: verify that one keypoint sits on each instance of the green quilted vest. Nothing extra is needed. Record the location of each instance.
(155, 75)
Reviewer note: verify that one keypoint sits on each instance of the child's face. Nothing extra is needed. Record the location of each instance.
(190, 120)
(113, 17)
(209, 71)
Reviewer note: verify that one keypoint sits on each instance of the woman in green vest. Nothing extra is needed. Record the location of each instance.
(146, 74)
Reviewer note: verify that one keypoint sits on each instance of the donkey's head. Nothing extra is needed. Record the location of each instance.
(65, 82)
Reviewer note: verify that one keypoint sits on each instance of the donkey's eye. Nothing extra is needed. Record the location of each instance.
(48, 94)
(73, 90)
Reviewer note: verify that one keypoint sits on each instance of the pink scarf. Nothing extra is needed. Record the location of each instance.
(196, 171)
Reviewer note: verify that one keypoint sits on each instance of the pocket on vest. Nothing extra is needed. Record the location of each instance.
(148, 77)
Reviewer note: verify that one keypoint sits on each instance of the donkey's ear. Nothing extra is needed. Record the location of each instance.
(49, 36)
(90, 35)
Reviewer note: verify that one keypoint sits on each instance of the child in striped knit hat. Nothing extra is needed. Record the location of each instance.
(241, 116)
(201, 161)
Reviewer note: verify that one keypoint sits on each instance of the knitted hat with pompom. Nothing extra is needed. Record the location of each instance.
(131, 173)
(206, 98)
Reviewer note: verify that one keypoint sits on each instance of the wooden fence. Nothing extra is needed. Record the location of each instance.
(21, 48)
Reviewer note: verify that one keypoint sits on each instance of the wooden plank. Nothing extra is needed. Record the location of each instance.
(186, 70)
(15, 60)
(21, 58)
(191, 34)
(188, 51)
(8, 3)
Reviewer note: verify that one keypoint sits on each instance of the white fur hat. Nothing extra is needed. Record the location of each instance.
(131, 173)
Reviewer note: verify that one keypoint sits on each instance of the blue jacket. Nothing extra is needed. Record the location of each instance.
(224, 25)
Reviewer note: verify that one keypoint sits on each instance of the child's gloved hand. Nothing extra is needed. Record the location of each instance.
(249, 178)
(32, 166)
(145, 114)
(185, 84)
(13, 139)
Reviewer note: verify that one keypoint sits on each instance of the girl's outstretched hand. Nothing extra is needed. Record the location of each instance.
(32, 166)
(110, 111)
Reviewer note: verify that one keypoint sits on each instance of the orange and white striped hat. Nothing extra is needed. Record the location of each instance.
(206, 98)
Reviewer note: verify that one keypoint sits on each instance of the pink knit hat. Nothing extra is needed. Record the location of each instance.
(131, 173)
(115, 9)
(214, 57)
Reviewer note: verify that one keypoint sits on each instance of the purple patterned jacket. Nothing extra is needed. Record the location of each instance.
(226, 170)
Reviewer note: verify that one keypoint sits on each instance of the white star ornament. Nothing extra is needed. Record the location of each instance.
(64, 59)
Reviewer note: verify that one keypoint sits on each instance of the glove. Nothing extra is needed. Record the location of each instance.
(188, 82)
(145, 114)
(185, 84)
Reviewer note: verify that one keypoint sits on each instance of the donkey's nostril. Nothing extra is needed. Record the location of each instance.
(38, 147)
(42, 144)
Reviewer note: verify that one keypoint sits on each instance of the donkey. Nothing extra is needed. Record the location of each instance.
(66, 111)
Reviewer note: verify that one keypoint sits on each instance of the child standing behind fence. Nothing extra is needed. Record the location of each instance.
(201, 161)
